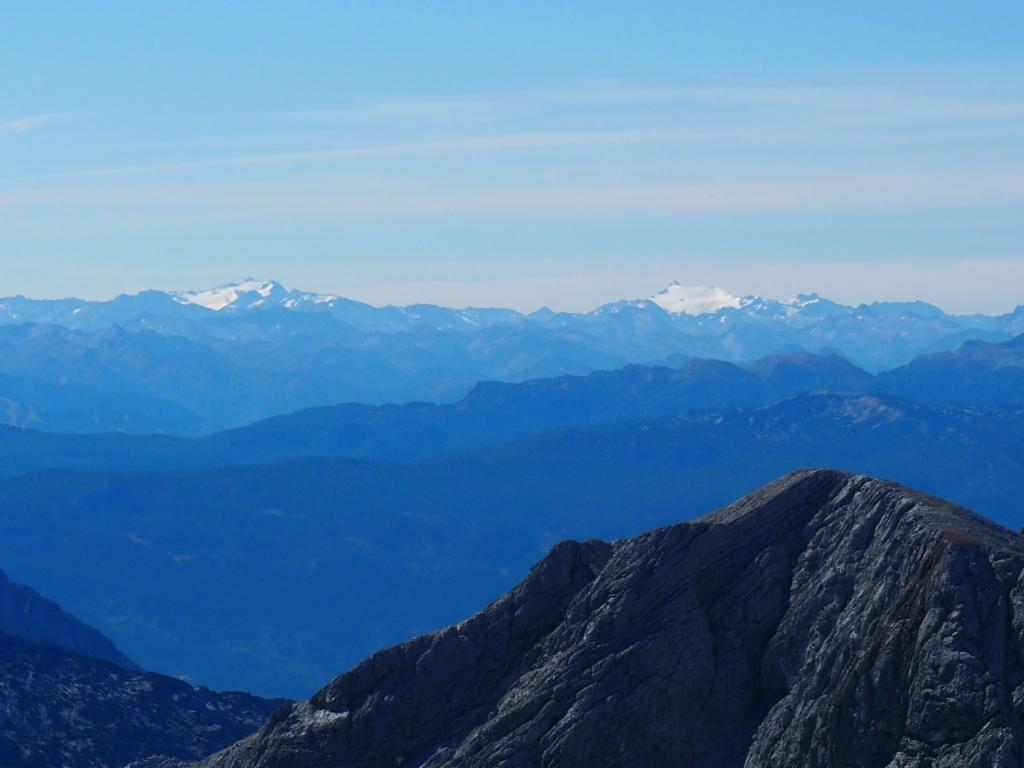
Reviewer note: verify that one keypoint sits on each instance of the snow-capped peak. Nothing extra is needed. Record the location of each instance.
(695, 299)
(251, 293)
(804, 300)
(225, 295)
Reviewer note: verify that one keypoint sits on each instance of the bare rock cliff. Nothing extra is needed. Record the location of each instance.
(825, 621)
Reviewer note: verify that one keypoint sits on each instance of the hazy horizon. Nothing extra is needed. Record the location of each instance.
(849, 283)
(520, 156)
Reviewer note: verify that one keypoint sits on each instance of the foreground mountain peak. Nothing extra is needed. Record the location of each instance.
(826, 619)
(695, 299)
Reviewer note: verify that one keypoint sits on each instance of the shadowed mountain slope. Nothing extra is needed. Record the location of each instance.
(492, 413)
(27, 614)
(978, 373)
(977, 376)
(69, 697)
(825, 620)
(61, 708)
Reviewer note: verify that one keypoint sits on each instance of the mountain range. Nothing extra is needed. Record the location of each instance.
(195, 571)
(189, 551)
(272, 555)
(415, 514)
(193, 362)
(979, 375)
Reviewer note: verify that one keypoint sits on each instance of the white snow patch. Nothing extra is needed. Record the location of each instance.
(224, 295)
(803, 300)
(695, 299)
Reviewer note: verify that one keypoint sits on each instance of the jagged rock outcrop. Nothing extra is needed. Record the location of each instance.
(825, 621)
(26, 613)
(60, 708)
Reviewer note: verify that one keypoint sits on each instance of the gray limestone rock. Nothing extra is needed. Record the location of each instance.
(825, 621)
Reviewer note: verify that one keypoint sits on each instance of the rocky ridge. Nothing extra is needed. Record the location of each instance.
(826, 620)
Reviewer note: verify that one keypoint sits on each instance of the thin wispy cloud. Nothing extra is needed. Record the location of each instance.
(341, 197)
(925, 101)
(722, 115)
(446, 146)
(428, 108)
(23, 124)
(716, 150)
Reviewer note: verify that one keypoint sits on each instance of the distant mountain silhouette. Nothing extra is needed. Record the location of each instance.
(67, 406)
(238, 353)
(492, 413)
(978, 373)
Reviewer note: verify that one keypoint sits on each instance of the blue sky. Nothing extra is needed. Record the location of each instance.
(515, 153)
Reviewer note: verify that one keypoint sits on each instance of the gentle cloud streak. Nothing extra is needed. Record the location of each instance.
(455, 145)
(345, 198)
(864, 102)
(23, 124)
(720, 117)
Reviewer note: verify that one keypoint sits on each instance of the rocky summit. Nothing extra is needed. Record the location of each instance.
(826, 620)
